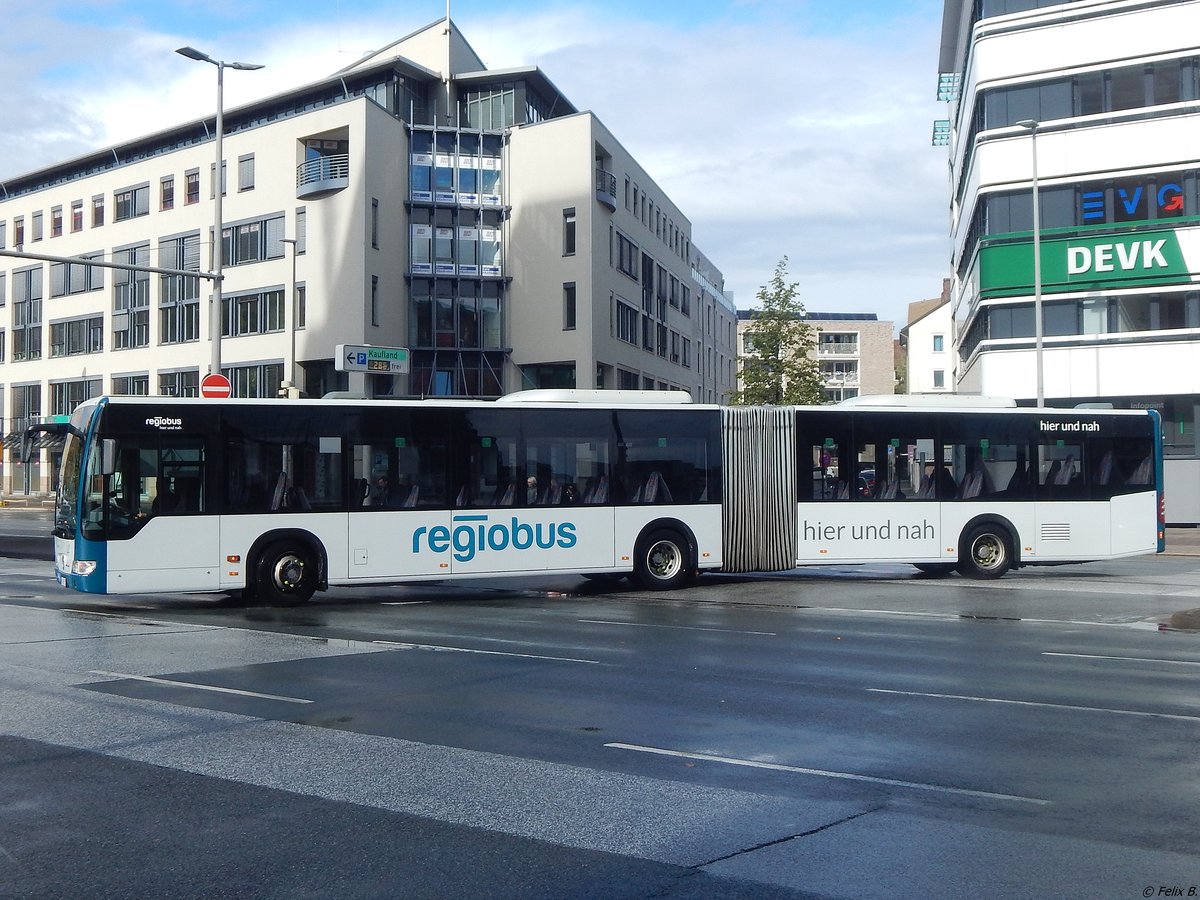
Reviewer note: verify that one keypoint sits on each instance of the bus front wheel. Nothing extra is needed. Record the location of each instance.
(986, 552)
(662, 561)
(287, 575)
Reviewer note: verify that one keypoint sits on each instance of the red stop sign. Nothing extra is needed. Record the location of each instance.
(215, 385)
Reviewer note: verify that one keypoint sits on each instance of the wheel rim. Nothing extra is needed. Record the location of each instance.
(664, 560)
(988, 552)
(288, 572)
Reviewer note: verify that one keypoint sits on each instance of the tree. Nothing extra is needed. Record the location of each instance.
(779, 365)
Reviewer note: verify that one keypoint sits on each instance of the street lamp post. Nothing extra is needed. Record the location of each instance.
(290, 324)
(218, 191)
(1032, 125)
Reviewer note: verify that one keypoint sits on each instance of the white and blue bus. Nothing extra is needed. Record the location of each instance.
(280, 498)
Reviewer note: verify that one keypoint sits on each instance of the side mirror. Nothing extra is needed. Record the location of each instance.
(108, 456)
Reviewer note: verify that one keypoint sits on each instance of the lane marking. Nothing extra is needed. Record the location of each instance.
(1149, 659)
(439, 648)
(198, 687)
(676, 627)
(1066, 706)
(825, 773)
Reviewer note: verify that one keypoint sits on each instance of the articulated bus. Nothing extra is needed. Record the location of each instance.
(280, 498)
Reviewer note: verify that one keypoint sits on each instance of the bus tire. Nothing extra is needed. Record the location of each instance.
(662, 560)
(985, 552)
(286, 574)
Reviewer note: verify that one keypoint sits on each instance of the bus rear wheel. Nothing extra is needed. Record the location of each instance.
(986, 552)
(286, 575)
(662, 561)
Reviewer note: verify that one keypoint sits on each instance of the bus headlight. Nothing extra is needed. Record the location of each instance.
(83, 567)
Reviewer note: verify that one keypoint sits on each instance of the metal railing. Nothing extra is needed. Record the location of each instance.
(330, 170)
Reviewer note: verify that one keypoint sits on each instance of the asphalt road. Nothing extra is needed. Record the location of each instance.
(835, 733)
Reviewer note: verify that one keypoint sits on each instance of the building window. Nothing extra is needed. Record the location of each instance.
(252, 241)
(939, 378)
(166, 192)
(76, 216)
(569, 306)
(246, 172)
(37, 226)
(301, 311)
(97, 212)
(56, 222)
(179, 384)
(375, 223)
(939, 343)
(131, 385)
(77, 336)
(131, 203)
(256, 381)
(569, 232)
(65, 396)
(19, 231)
(627, 256)
(179, 295)
(257, 313)
(191, 188)
(374, 299)
(76, 278)
(627, 323)
(27, 314)
(131, 304)
(301, 231)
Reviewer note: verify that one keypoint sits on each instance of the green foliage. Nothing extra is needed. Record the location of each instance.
(780, 367)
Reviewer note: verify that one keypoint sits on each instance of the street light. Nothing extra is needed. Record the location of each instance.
(289, 387)
(1032, 125)
(218, 189)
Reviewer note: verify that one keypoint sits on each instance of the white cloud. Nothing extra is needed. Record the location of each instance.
(772, 140)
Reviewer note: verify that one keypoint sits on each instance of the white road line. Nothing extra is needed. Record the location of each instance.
(676, 627)
(198, 687)
(1143, 659)
(1097, 709)
(439, 648)
(823, 773)
(406, 603)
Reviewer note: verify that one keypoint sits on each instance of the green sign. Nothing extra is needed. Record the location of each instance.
(1092, 262)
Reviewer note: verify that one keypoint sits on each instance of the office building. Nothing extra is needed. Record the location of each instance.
(1096, 104)
(415, 199)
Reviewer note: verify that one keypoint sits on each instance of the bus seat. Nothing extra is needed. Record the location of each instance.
(509, 493)
(598, 493)
(1104, 475)
(461, 499)
(656, 490)
(411, 500)
(1067, 471)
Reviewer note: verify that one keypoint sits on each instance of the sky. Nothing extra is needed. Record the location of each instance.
(797, 128)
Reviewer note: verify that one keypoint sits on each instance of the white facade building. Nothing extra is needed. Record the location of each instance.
(1105, 96)
(480, 220)
(928, 345)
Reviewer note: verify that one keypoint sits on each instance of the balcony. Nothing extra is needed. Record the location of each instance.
(322, 176)
(606, 189)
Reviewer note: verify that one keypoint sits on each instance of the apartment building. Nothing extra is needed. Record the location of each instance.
(415, 199)
(1097, 103)
(854, 351)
